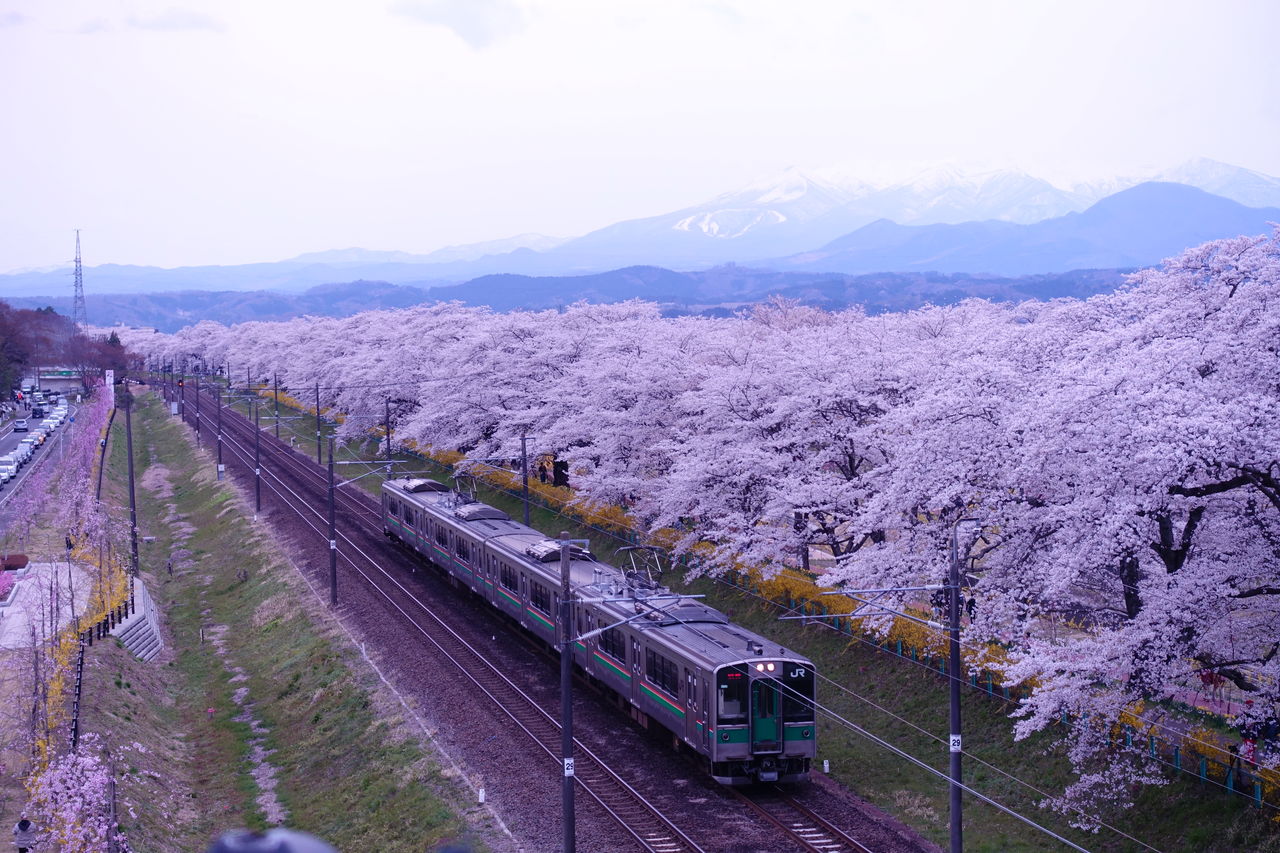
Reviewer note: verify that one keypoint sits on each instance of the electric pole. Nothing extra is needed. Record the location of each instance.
(217, 396)
(197, 410)
(133, 503)
(276, 378)
(566, 695)
(333, 537)
(524, 474)
(318, 460)
(257, 462)
(956, 667)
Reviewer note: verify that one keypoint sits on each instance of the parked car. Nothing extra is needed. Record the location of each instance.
(8, 467)
(20, 425)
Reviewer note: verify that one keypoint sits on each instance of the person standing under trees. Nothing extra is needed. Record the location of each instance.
(542, 472)
(24, 835)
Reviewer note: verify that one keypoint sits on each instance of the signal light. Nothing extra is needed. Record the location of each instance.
(180, 383)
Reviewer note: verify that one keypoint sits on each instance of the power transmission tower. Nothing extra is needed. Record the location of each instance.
(79, 314)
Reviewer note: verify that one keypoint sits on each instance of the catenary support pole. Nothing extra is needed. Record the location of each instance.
(197, 410)
(387, 416)
(566, 695)
(333, 537)
(217, 396)
(133, 501)
(318, 460)
(524, 474)
(276, 379)
(257, 461)
(956, 671)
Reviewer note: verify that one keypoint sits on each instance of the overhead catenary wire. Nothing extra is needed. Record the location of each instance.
(969, 646)
(975, 757)
(243, 454)
(1152, 723)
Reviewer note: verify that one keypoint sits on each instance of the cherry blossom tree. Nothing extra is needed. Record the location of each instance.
(1122, 454)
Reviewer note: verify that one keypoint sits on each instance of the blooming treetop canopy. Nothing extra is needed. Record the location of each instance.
(1122, 453)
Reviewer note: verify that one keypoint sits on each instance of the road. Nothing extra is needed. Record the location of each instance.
(9, 441)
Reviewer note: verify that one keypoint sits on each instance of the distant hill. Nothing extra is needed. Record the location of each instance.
(173, 310)
(719, 290)
(1136, 227)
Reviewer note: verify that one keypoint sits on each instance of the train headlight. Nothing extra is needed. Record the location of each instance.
(769, 667)
(759, 667)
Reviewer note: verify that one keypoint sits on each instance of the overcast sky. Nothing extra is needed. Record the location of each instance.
(234, 131)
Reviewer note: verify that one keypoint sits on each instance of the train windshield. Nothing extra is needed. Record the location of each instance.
(731, 695)
(797, 692)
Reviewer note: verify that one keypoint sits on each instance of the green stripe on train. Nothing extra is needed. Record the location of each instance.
(662, 699)
(611, 665)
(731, 736)
(536, 615)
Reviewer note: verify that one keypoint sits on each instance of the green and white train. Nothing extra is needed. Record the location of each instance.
(745, 704)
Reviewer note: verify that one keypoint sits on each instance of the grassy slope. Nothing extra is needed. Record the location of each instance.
(350, 769)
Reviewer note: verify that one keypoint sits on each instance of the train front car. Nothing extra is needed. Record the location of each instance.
(765, 728)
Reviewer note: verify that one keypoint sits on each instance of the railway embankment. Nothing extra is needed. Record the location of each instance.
(260, 709)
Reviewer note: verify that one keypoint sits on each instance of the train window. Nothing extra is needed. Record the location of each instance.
(395, 507)
(731, 695)
(463, 549)
(797, 693)
(540, 596)
(442, 536)
(662, 672)
(508, 578)
(613, 644)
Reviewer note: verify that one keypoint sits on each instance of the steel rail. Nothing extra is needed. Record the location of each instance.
(810, 831)
(618, 798)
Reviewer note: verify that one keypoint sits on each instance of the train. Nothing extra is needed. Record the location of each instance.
(743, 703)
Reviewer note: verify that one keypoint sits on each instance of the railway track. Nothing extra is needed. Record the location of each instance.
(810, 831)
(366, 553)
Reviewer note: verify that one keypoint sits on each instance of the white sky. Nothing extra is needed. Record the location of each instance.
(190, 131)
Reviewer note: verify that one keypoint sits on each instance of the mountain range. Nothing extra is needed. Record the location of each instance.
(947, 220)
(716, 291)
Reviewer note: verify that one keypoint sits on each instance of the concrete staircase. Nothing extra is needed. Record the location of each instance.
(140, 631)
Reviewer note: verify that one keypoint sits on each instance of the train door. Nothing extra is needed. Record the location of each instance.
(692, 714)
(635, 670)
(766, 723)
(706, 714)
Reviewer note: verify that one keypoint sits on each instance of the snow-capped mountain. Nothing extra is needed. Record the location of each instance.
(798, 210)
(1252, 189)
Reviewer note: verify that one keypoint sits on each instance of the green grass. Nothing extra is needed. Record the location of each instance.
(347, 771)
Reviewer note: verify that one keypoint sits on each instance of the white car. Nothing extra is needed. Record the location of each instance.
(8, 467)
